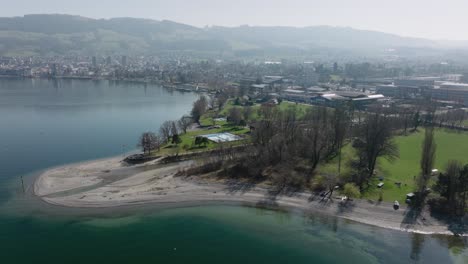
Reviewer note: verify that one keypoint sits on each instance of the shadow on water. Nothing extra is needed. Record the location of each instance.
(417, 244)
(456, 244)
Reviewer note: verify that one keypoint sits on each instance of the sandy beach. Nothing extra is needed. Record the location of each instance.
(110, 183)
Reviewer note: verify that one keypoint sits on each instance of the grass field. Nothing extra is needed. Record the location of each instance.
(347, 154)
(207, 120)
(450, 146)
(189, 139)
(301, 108)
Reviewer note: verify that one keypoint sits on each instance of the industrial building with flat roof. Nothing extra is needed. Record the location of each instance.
(438, 91)
(455, 92)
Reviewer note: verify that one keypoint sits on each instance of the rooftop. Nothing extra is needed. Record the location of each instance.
(350, 94)
(454, 84)
(420, 78)
(369, 97)
(259, 86)
(332, 96)
(315, 89)
(294, 91)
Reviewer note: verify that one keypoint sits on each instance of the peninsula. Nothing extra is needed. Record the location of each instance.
(111, 182)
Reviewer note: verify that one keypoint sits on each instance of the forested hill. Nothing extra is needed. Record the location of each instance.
(65, 34)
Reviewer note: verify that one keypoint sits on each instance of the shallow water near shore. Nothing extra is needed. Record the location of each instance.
(46, 123)
(217, 234)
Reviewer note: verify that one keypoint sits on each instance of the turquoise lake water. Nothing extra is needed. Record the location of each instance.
(46, 123)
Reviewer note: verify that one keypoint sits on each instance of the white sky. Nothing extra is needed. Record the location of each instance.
(435, 19)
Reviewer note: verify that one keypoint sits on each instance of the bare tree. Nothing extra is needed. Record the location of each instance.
(184, 123)
(159, 141)
(247, 112)
(427, 158)
(281, 136)
(461, 116)
(235, 115)
(330, 183)
(453, 186)
(148, 142)
(406, 116)
(165, 130)
(199, 108)
(453, 174)
(316, 134)
(341, 122)
(289, 124)
(212, 102)
(222, 99)
(416, 120)
(456, 117)
(440, 119)
(271, 136)
(174, 130)
(374, 139)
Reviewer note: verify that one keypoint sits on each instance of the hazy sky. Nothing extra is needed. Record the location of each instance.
(436, 19)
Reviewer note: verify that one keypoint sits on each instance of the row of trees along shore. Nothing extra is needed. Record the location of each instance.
(171, 131)
(287, 146)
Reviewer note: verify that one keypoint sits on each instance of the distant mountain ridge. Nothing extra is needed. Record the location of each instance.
(66, 34)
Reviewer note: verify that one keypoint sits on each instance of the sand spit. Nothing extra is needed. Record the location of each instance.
(110, 183)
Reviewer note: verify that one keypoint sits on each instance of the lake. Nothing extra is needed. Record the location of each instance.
(46, 123)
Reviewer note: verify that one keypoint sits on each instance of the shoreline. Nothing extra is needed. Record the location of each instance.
(107, 184)
(169, 86)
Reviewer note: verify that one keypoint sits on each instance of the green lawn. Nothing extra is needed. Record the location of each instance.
(347, 154)
(189, 139)
(450, 146)
(207, 120)
(300, 108)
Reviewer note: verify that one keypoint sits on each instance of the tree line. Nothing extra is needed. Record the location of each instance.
(288, 146)
(170, 131)
(293, 144)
